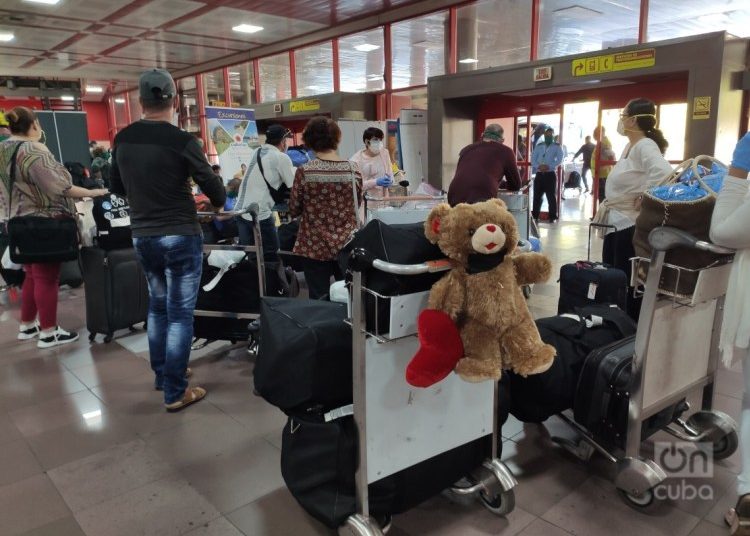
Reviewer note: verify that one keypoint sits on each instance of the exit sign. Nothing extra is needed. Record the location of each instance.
(543, 73)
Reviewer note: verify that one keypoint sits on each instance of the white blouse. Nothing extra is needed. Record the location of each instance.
(641, 166)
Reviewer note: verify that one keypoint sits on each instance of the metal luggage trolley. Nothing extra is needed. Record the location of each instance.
(518, 205)
(671, 327)
(401, 208)
(257, 249)
(399, 426)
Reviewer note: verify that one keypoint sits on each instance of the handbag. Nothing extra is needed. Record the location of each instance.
(691, 214)
(39, 239)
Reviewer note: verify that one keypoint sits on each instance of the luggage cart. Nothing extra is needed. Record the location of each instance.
(671, 326)
(257, 249)
(399, 426)
(400, 209)
(518, 205)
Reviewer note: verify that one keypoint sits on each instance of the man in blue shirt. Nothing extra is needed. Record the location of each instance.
(545, 160)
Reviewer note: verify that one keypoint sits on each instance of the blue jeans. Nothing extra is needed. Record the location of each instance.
(173, 269)
(268, 236)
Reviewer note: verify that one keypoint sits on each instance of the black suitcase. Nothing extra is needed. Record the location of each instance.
(574, 180)
(304, 356)
(587, 283)
(602, 396)
(537, 397)
(318, 462)
(237, 292)
(401, 244)
(116, 290)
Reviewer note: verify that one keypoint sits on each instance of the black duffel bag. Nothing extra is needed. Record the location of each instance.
(318, 462)
(401, 244)
(304, 355)
(537, 397)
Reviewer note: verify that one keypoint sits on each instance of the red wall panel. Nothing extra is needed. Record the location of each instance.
(97, 120)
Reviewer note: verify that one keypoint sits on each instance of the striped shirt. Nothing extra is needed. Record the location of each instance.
(322, 195)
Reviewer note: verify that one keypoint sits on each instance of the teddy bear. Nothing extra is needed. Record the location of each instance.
(477, 321)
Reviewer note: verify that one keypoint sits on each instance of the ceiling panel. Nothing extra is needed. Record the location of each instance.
(39, 20)
(231, 45)
(221, 20)
(94, 44)
(122, 31)
(39, 40)
(92, 10)
(154, 14)
(7, 61)
(150, 50)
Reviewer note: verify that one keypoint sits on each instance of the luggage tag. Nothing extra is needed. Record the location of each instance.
(592, 291)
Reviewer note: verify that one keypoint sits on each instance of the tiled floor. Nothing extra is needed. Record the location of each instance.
(87, 449)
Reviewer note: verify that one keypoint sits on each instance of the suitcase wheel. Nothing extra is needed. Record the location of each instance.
(636, 480)
(501, 504)
(642, 501)
(92, 337)
(108, 338)
(359, 525)
(717, 428)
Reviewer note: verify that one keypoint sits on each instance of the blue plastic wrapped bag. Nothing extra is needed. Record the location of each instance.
(689, 191)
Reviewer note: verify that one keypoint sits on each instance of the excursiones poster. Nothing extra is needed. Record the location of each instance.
(234, 135)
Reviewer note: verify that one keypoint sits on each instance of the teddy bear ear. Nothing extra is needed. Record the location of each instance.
(434, 221)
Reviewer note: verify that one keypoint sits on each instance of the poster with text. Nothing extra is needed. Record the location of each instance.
(234, 135)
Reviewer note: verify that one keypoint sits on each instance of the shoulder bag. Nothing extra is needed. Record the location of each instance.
(39, 239)
(279, 195)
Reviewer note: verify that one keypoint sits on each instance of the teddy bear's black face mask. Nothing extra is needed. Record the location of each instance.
(479, 262)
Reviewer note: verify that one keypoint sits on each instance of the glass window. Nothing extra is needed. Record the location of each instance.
(314, 68)
(673, 124)
(413, 99)
(135, 106)
(362, 61)
(242, 84)
(275, 78)
(419, 49)
(213, 88)
(186, 90)
(586, 25)
(668, 19)
(493, 33)
(121, 114)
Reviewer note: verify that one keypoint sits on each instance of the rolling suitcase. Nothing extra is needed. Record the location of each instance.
(588, 283)
(116, 290)
(602, 396)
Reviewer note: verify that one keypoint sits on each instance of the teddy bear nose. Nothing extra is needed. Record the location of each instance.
(491, 228)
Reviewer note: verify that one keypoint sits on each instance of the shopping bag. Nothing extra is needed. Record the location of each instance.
(684, 200)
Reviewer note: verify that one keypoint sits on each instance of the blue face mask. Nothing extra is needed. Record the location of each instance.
(548, 139)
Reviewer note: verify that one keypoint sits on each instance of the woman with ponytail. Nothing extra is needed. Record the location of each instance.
(641, 165)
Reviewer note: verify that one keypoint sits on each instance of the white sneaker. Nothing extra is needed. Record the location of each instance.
(29, 332)
(56, 338)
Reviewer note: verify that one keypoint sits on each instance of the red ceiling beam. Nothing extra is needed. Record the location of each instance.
(388, 75)
(536, 6)
(643, 22)
(453, 40)
(336, 65)
(293, 74)
(256, 78)
(227, 88)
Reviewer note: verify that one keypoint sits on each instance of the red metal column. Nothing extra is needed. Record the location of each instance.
(643, 22)
(111, 118)
(453, 40)
(387, 52)
(128, 118)
(536, 6)
(201, 98)
(227, 89)
(256, 79)
(336, 66)
(293, 74)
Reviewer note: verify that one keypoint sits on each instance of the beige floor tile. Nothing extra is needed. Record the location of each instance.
(67, 526)
(110, 370)
(28, 383)
(217, 527)
(56, 413)
(541, 528)
(8, 430)
(108, 474)
(17, 462)
(30, 504)
(167, 507)
(705, 528)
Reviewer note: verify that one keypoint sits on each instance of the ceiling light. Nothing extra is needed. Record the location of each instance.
(120, 100)
(247, 28)
(48, 2)
(366, 47)
(6, 36)
(67, 98)
(94, 89)
(468, 60)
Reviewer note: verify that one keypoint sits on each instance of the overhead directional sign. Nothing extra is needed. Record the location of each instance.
(607, 63)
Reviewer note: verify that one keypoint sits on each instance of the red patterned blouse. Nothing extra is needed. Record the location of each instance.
(322, 194)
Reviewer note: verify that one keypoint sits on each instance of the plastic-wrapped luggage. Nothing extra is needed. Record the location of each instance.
(116, 290)
(536, 398)
(587, 283)
(402, 244)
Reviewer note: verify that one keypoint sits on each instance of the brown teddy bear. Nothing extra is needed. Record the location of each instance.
(477, 318)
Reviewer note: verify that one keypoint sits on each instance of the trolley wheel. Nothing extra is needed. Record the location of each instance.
(252, 347)
(92, 337)
(642, 501)
(501, 504)
(359, 525)
(108, 338)
(722, 431)
(132, 328)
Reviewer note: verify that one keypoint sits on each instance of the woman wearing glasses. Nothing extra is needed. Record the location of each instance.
(641, 165)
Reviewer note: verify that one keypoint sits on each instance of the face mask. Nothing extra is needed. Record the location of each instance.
(621, 127)
(376, 146)
(548, 139)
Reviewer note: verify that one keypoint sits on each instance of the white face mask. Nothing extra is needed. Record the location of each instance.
(376, 146)
(621, 127)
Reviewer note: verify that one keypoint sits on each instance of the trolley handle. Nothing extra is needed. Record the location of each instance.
(666, 238)
(361, 260)
(402, 198)
(252, 210)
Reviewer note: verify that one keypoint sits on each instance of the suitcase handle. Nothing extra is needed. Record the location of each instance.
(360, 260)
(666, 238)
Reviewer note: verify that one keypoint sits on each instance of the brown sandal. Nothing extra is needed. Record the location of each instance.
(738, 518)
(192, 395)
